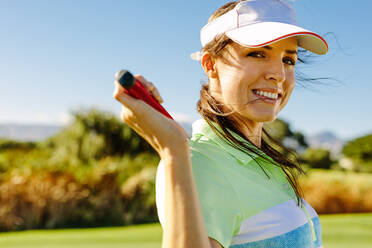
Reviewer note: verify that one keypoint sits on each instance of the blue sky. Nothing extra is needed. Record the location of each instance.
(62, 55)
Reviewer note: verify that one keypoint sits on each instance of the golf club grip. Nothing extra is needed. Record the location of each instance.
(135, 88)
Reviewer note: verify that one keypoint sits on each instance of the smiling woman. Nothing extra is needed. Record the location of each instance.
(267, 75)
(226, 186)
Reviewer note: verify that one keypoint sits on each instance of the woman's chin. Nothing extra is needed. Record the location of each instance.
(262, 117)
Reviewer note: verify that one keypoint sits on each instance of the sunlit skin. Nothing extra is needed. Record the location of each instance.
(231, 83)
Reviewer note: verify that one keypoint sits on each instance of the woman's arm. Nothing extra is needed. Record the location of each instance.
(184, 225)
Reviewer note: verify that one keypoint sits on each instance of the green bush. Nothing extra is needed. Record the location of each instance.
(112, 191)
(94, 135)
(95, 172)
(317, 158)
(6, 144)
(359, 149)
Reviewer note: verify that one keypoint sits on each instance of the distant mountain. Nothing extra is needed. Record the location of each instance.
(327, 139)
(36, 132)
(28, 132)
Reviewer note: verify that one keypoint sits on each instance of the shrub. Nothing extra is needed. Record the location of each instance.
(317, 158)
(54, 200)
(6, 144)
(359, 148)
(93, 135)
(338, 191)
(112, 191)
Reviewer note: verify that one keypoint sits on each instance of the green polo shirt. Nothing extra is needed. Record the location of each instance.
(240, 205)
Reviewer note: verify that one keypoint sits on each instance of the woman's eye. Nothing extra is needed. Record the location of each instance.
(289, 61)
(256, 54)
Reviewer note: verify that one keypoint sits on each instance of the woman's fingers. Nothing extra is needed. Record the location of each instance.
(159, 131)
(123, 97)
(131, 112)
(129, 104)
(157, 95)
(150, 87)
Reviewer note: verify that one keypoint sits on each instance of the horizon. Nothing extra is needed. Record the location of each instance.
(180, 120)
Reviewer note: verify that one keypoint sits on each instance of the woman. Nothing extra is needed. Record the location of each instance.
(226, 186)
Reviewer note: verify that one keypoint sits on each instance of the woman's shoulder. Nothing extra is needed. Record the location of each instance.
(207, 154)
(205, 142)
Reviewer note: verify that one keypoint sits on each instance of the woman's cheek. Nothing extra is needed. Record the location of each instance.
(287, 92)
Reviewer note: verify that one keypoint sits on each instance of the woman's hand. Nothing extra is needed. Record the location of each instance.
(169, 139)
(166, 136)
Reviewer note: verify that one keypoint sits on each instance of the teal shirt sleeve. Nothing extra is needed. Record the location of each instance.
(218, 200)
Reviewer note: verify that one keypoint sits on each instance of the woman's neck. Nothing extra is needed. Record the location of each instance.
(252, 131)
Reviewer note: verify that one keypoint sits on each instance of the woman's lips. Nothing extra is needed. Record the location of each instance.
(267, 99)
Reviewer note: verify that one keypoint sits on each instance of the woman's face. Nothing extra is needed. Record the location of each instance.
(256, 82)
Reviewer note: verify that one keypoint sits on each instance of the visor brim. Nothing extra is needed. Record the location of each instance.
(265, 33)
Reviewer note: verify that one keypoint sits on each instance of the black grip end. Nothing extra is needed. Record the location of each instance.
(125, 79)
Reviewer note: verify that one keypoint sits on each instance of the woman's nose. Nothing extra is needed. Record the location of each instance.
(275, 72)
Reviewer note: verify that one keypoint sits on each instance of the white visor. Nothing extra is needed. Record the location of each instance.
(256, 23)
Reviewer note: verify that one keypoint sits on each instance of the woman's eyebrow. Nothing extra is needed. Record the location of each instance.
(287, 51)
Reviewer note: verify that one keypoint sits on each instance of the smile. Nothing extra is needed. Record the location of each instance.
(267, 96)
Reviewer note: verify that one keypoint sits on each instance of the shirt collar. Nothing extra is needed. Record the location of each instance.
(201, 128)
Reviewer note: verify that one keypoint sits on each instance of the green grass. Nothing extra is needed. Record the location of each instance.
(347, 230)
(341, 231)
(139, 236)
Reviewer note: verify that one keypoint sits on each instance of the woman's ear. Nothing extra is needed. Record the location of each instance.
(208, 65)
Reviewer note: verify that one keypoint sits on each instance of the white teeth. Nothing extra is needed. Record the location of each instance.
(267, 94)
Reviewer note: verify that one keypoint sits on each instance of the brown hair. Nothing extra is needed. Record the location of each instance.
(211, 110)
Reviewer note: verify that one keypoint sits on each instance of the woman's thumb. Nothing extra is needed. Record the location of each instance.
(123, 97)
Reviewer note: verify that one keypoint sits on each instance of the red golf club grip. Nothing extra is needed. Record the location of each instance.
(134, 87)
